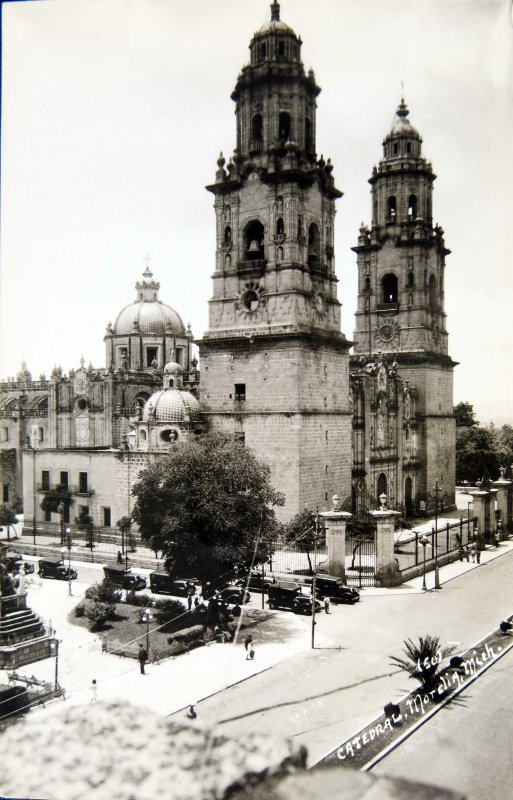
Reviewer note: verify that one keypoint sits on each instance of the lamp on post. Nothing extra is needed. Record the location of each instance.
(424, 540)
(436, 489)
(68, 542)
(147, 617)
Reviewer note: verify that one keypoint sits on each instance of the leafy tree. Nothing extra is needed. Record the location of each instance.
(84, 523)
(303, 531)
(99, 613)
(7, 518)
(476, 457)
(104, 592)
(57, 501)
(465, 416)
(423, 660)
(208, 506)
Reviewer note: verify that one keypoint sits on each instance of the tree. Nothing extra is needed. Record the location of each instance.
(303, 531)
(124, 525)
(464, 415)
(57, 501)
(208, 506)
(423, 660)
(84, 522)
(475, 454)
(7, 518)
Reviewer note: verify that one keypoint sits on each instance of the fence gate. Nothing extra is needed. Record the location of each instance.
(360, 560)
(293, 558)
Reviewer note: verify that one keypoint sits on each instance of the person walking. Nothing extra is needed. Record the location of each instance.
(251, 652)
(461, 552)
(120, 557)
(248, 641)
(94, 690)
(191, 713)
(189, 602)
(467, 554)
(473, 553)
(478, 555)
(143, 657)
(327, 605)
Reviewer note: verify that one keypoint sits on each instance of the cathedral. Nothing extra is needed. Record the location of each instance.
(361, 418)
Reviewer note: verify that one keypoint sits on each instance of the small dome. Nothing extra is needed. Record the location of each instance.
(171, 405)
(401, 123)
(275, 25)
(173, 368)
(148, 317)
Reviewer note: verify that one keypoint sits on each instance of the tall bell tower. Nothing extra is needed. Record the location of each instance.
(400, 313)
(275, 365)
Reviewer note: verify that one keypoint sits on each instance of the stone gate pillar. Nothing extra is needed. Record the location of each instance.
(335, 522)
(480, 509)
(387, 568)
(504, 505)
(492, 517)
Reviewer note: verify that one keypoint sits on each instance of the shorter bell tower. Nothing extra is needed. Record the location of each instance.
(401, 313)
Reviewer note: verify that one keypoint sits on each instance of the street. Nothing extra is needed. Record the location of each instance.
(467, 746)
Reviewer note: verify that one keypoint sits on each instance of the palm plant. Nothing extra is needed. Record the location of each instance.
(423, 660)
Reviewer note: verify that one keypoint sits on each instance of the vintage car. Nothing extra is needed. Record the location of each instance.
(290, 596)
(256, 582)
(234, 594)
(124, 578)
(54, 568)
(161, 583)
(335, 588)
(14, 562)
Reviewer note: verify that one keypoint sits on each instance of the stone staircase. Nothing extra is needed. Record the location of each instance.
(23, 636)
(20, 625)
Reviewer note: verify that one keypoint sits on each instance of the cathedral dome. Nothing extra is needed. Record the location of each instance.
(148, 317)
(148, 314)
(401, 124)
(171, 405)
(275, 25)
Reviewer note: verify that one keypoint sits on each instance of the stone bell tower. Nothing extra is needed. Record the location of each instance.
(274, 361)
(400, 314)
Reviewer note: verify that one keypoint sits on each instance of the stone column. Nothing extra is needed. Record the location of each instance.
(387, 568)
(480, 507)
(335, 522)
(492, 519)
(503, 488)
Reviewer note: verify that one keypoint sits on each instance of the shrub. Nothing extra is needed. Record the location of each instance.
(144, 600)
(170, 608)
(79, 610)
(99, 613)
(423, 660)
(104, 592)
(187, 635)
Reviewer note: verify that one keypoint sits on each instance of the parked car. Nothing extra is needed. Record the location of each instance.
(161, 583)
(234, 594)
(124, 578)
(290, 596)
(54, 568)
(256, 582)
(335, 588)
(14, 561)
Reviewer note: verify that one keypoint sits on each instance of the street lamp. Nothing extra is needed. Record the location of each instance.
(68, 542)
(424, 540)
(147, 617)
(436, 489)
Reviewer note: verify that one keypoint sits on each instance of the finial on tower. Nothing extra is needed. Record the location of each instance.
(402, 110)
(275, 12)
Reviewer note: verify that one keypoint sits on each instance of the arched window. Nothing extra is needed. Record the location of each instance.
(257, 128)
(254, 240)
(280, 226)
(314, 244)
(308, 136)
(396, 148)
(263, 51)
(284, 128)
(227, 235)
(382, 485)
(432, 293)
(412, 207)
(392, 208)
(389, 288)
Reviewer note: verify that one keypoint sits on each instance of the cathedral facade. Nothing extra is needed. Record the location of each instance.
(276, 369)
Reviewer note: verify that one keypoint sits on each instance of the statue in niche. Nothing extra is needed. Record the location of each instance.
(279, 254)
(382, 379)
(279, 205)
(227, 261)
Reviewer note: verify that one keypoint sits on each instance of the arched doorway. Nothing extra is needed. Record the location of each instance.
(382, 485)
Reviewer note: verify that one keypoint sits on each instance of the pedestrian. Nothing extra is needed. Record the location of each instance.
(473, 552)
(461, 552)
(496, 539)
(327, 605)
(478, 555)
(143, 657)
(196, 602)
(251, 653)
(94, 690)
(467, 554)
(189, 602)
(191, 713)
(248, 641)
(120, 557)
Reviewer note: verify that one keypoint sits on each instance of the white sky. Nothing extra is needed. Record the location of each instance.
(114, 113)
